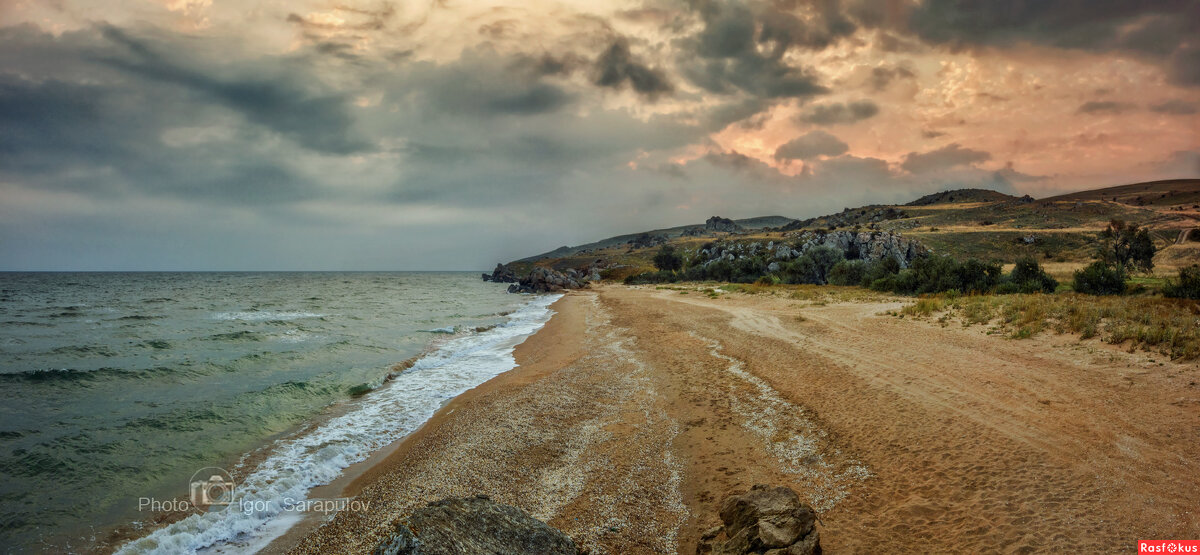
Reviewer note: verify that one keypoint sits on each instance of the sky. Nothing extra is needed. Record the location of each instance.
(451, 135)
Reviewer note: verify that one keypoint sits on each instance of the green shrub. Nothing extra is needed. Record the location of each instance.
(801, 270)
(720, 270)
(748, 269)
(878, 270)
(824, 259)
(1188, 286)
(1100, 278)
(667, 259)
(768, 280)
(1028, 277)
(848, 272)
(934, 274)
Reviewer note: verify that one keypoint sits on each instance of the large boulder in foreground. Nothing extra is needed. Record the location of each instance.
(764, 520)
(474, 525)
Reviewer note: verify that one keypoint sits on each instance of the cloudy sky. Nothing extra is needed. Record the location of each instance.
(365, 134)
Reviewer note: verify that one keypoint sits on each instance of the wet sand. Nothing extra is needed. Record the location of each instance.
(635, 410)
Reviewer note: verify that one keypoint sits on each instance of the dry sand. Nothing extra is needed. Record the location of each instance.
(634, 411)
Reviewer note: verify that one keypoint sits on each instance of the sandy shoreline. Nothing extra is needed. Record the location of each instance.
(633, 411)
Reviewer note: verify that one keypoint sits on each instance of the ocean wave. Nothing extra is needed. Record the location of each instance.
(26, 323)
(256, 316)
(390, 412)
(243, 335)
(72, 375)
(87, 351)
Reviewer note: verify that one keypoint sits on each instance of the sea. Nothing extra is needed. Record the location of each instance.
(122, 390)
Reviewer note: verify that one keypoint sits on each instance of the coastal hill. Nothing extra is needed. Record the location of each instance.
(760, 222)
(961, 195)
(1060, 231)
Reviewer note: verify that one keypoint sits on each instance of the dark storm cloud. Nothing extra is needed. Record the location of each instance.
(881, 77)
(617, 66)
(947, 157)
(1105, 107)
(725, 56)
(1175, 107)
(1098, 24)
(99, 132)
(45, 114)
(1185, 65)
(720, 117)
(461, 145)
(320, 122)
(811, 145)
(1154, 30)
(481, 83)
(832, 114)
(737, 161)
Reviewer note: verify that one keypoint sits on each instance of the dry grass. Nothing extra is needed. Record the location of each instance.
(1169, 326)
(816, 294)
(924, 307)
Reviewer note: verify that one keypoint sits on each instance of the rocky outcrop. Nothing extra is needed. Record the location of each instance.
(474, 525)
(646, 240)
(767, 520)
(721, 225)
(871, 246)
(545, 280)
(502, 274)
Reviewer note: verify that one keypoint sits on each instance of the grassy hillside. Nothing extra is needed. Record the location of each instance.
(1060, 231)
(962, 195)
(1172, 192)
(618, 241)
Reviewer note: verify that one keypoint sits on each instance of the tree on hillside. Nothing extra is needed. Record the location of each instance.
(667, 259)
(1127, 245)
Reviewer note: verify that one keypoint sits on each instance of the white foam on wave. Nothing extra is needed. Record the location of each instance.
(387, 414)
(256, 316)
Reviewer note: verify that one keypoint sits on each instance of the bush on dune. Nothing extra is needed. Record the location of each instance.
(936, 274)
(848, 272)
(1100, 278)
(1188, 286)
(1028, 277)
(667, 259)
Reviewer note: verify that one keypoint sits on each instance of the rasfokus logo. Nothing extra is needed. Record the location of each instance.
(209, 488)
(1168, 546)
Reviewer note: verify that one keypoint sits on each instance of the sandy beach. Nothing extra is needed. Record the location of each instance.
(635, 410)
